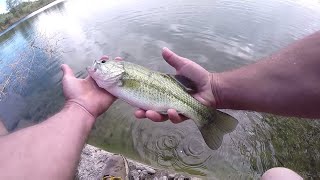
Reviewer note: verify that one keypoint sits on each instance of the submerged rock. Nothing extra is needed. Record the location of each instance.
(93, 161)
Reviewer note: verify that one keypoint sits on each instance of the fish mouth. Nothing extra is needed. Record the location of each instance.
(91, 69)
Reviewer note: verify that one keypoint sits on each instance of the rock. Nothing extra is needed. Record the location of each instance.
(93, 161)
(138, 167)
(142, 176)
(178, 177)
(145, 172)
(163, 178)
(171, 176)
(150, 170)
(135, 175)
(181, 177)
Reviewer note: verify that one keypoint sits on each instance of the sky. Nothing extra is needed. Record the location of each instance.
(3, 6)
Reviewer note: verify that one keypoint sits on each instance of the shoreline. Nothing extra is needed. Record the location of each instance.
(25, 17)
(92, 163)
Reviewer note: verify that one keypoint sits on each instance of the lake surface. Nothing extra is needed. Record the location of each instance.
(219, 35)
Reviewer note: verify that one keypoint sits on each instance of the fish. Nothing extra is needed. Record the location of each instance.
(152, 90)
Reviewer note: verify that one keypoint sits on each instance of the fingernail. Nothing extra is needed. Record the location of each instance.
(104, 58)
(62, 66)
(118, 58)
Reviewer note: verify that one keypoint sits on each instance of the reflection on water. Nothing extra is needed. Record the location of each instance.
(219, 35)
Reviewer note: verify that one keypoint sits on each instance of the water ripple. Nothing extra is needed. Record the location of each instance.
(171, 145)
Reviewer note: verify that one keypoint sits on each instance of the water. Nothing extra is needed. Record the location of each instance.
(219, 35)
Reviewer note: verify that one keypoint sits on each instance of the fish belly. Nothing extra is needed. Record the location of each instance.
(146, 101)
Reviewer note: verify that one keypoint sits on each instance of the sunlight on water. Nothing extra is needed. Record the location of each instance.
(51, 24)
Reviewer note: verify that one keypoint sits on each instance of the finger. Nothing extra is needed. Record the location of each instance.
(118, 59)
(196, 73)
(90, 80)
(156, 117)
(186, 67)
(174, 116)
(104, 57)
(202, 101)
(94, 84)
(173, 59)
(140, 114)
(67, 71)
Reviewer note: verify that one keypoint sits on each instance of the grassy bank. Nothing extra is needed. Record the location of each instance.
(20, 11)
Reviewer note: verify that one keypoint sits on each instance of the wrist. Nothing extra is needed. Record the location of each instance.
(215, 87)
(230, 90)
(78, 109)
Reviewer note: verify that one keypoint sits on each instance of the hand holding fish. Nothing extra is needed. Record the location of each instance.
(203, 81)
(85, 92)
(161, 93)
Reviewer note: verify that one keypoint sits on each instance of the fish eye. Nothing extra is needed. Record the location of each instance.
(103, 61)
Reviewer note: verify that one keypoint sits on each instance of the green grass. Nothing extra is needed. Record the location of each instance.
(296, 144)
(286, 142)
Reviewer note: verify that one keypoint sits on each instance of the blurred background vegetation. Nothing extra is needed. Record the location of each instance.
(18, 9)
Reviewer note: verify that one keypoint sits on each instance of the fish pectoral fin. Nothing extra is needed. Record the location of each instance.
(184, 82)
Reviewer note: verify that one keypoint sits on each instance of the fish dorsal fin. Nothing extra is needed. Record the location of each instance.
(184, 82)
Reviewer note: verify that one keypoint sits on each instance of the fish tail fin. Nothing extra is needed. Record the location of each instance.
(214, 128)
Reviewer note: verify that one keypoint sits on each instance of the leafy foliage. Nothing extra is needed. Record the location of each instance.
(18, 10)
(12, 4)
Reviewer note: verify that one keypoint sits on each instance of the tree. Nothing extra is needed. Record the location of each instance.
(12, 4)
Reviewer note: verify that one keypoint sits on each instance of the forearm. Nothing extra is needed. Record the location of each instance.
(49, 150)
(287, 83)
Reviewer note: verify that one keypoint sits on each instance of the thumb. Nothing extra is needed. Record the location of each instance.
(186, 67)
(67, 71)
(173, 59)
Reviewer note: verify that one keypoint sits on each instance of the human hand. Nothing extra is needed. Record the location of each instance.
(201, 77)
(85, 92)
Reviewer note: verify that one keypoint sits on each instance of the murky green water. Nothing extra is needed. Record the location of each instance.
(220, 35)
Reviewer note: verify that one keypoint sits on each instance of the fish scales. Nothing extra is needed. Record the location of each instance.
(151, 90)
(160, 89)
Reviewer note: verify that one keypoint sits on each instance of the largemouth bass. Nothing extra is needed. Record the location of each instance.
(151, 90)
